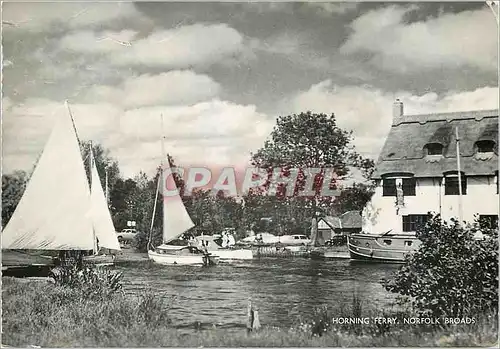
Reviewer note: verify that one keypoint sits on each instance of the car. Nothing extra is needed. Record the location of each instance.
(126, 235)
(296, 239)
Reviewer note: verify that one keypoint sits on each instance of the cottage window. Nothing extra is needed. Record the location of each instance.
(491, 221)
(388, 242)
(485, 146)
(409, 185)
(434, 149)
(408, 243)
(389, 187)
(451, 185)
(414, 221)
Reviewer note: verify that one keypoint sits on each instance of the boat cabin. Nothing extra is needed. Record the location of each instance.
(178, 250)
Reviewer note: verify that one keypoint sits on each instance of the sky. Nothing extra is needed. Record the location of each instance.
(219, 74)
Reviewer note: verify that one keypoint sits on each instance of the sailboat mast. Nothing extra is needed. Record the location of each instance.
(107, 188)
(160, 177)
(91, 164)
(150, 238)
(460, 208)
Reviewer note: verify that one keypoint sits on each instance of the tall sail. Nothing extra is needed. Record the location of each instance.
(54, 211)
(176, 219)
(103, 224)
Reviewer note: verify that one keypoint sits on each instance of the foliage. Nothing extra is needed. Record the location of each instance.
(353, 198)
(60, 316)
(309, 140)
(103, 162)
(13, 186)
(451, 274)
(91, 282)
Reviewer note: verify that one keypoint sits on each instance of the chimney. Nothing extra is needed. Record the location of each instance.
(397, 111)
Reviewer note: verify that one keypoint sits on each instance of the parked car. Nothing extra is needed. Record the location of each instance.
(295, 240)
(126, 235)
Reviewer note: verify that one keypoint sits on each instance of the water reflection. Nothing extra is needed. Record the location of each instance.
(284, 289)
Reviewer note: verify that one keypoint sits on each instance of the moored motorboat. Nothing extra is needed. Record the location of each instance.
(388, 247)
(181, 255)
(225, 254)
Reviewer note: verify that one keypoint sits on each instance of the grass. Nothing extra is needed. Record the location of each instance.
(39, 313)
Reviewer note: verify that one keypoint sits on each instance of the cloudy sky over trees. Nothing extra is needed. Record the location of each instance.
(220, 73)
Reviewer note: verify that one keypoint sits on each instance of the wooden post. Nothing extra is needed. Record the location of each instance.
(249, 316)
(256, 321)
(253, 322)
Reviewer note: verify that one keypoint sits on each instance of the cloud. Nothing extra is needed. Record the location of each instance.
(213, 132)
(367, 111)
(466, 38)
(171, 88)
(26, 127)
(183, 47)
(40, 16)
(89, 42)
(329, 8)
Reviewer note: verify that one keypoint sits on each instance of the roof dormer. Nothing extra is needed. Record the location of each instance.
(485, 146)
(484, 149)
(434, 149)
(433, 152)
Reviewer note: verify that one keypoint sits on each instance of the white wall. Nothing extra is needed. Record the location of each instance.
(380, 214)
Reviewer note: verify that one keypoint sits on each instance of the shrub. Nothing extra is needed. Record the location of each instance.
(91, 281)
(451, 274)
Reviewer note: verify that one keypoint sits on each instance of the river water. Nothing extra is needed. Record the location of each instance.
(285, 289)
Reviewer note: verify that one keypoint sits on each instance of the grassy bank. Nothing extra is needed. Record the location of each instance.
(39, 313)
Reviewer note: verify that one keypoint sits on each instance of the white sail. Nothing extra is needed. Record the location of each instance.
(54, 211)
(103, 224)
(176, 219)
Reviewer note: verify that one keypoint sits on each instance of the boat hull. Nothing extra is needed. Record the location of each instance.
(381, 248)
(172, 259)
(100, 259)
(230, 254)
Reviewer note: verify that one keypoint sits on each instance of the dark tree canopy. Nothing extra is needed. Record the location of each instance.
(309, 140)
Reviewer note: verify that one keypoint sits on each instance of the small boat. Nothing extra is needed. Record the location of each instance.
(387, 247)
(58, 211)
(260, 238)
(224, 253)
(176, 221)
(181, 255)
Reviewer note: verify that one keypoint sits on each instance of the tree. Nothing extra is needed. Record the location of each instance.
(353, 198)
(307, 140)
(13, 186)
(103, 162)
(451, 274)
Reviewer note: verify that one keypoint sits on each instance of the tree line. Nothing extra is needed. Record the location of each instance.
(304, 140)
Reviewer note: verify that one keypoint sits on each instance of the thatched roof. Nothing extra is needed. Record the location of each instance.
(405, 147)
(351, 219)
(348, 220)
(332, 222)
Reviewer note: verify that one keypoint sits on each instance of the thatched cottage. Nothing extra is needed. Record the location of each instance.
(417, 170)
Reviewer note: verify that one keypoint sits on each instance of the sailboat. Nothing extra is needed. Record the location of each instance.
(104, 229)
(58, 211)
(176, 221)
